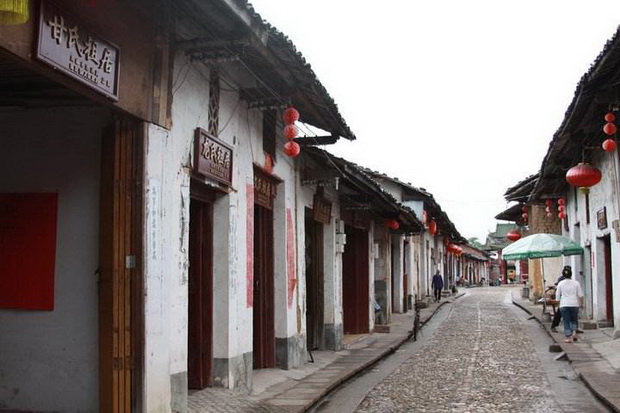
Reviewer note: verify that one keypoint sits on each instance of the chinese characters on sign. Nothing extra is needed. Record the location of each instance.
(74, 50)
(213, 158)
(601, 218)
(322, 210)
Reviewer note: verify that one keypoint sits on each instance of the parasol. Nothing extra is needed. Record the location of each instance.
(541, 246)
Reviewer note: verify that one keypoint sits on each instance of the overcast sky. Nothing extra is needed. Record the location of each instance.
(459, 97)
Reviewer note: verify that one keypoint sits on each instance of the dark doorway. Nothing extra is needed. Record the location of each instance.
(405, 248)
(314, 281)
(609, 295)
(200, 304)
(355, 282)
(264, 324)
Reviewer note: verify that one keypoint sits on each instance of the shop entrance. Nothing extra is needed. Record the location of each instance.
(200, 301)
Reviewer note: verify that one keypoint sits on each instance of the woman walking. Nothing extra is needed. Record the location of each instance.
(571, 299)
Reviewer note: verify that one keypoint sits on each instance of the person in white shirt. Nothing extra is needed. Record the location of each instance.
(571, 299)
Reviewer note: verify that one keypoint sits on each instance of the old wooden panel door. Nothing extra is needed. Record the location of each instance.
(314, 281)
(264, 339)
(121, 314)
(200, 306)
(609, 294)
(355, 282)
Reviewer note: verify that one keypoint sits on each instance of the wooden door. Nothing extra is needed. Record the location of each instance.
(405, 278)
(200, 305)
(314, 282)
(355, 282)
(609, 297)
(264, 350)
(121, 308)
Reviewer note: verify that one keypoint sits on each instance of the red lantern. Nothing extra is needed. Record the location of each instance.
(561, 201)
(548, 202)
(524, 216)
(291, 148)
(524, 208)
(562, 215)
(583, 176)
(392, 224)
(609, 128)
(609, 117)
(290, 115)
(548, 209)
(290, 131)
(561, 208)
(513, 235)
(609, 145)
(432, 227)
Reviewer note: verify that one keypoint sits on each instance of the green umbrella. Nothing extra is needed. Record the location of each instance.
(541, 246)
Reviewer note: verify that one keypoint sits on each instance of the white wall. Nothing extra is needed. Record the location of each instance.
(49, 359)
(604, 194)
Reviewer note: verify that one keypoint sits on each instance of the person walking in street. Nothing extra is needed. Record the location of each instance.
(557, 316)
(570, 295)
(437, 285)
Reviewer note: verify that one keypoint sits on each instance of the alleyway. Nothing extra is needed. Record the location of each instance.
(484, 357)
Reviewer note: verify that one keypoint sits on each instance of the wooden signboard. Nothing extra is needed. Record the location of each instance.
(65, 44)
(212, 157)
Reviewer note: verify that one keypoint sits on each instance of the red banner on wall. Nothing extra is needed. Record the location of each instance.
(27, 250)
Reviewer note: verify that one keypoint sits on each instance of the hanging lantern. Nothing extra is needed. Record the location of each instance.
(432, 227)
(424, 217)
(609, 117)
(609, 128)
(562, 215)
(290, 115)
(524, 209)
(513, 235)
(524, 216)
(14, 11)
(561, 201)
(290, 131)
(583, 176)
(561, 208)
(609, 145)
(547, 209)
(549, 214)
(548, 202)
(291, 148)
(392, 224)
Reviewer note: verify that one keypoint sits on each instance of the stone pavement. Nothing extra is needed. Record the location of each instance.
(595, 357)
(297, 390)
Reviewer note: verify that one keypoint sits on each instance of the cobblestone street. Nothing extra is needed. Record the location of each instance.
(480, 359)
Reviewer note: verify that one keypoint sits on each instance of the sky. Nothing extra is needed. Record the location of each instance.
(461, 98)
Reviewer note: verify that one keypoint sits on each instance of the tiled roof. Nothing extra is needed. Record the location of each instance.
(324, 114)
(582, 124)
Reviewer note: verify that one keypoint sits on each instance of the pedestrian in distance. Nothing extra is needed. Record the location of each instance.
(437, 285)
(557, 316)
(570, 295)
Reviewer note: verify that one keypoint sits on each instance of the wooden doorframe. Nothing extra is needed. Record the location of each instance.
(264, 337)
(200, 296)
(121, 276)
(314, 282)
(609, 295)
(355, 282)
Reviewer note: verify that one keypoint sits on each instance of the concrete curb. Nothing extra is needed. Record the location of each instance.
(388, 351)
(583, 376)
